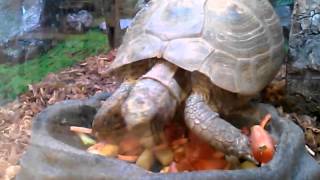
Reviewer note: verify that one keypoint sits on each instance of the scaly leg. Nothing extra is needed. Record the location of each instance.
(154, 97)
(207, 124)
(108, 118)
(140, 101)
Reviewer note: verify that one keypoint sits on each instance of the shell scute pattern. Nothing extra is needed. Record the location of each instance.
(236, 43)
(186, 53)
(177, 19)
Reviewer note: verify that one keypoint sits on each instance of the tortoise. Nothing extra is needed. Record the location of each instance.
(209, 56)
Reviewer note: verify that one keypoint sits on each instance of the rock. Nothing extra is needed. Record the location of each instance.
(303, 68)
(18, 51)
(80, 21)
(11, 55)
(104, 27)
(18, 17)
(39, 21)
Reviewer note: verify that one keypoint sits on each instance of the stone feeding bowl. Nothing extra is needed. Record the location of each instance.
(57, 153)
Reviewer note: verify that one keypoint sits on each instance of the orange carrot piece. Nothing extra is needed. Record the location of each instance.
(184, 165)
(175, 144)
(218, 155)
(262, 144)
(179, 154)
(80, 129)
(204, 164)
(127, 158)
(265, 120)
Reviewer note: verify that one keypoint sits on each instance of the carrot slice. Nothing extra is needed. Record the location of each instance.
(127, 158)
(80, 129)
(265, 120)
(175, 144)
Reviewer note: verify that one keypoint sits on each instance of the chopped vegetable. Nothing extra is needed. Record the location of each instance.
(179, 154)
(247, 165)
(165, 170)
(184, 165)
(80, 129)
(173, 168)
(176, 149)
(146, 159)
(128, 158)
(104, 149)
(130, 145)
(207, 164)
(265, 120)
(218, 155)
(179, 142)
(86, 140)
(262, 144)
(165, 156)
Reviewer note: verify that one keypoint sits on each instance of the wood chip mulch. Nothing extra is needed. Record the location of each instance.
(78, 82)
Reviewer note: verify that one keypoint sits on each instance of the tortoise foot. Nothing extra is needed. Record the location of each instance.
(219, 133)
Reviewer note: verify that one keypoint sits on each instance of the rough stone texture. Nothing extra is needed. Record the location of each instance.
(56, 153)
(303, 70)
(80, 21)
(17, 18)
(20, 50)
(25, 22)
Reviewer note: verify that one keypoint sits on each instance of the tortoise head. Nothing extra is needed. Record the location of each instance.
(138, 109)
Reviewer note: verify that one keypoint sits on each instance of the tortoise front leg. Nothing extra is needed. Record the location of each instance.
(108, 117)
(207, 124)
(153, 98)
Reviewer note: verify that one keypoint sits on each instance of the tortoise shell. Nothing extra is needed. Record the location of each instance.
(238, 44)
